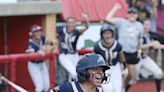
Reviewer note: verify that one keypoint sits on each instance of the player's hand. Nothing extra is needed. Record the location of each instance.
(160, 46)
(155, 3)
(155, 43)
(41, 52)
(124, 65)
(117, 6)
(56, 51)
(85, 15)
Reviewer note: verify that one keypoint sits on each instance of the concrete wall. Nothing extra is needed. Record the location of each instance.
(31, 0)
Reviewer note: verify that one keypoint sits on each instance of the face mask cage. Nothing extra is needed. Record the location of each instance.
(104, 76)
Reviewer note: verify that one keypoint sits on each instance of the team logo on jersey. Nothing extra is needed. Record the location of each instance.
(63, 45)
(72, 39)
(114, 54)
(132, 31)
(100, 59)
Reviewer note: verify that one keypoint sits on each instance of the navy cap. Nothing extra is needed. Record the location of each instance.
(36, 28)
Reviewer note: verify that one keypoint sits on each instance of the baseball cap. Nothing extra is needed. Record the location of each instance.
(132, 10)
(35, 28)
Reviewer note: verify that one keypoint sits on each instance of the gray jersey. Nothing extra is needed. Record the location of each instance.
(129, 34)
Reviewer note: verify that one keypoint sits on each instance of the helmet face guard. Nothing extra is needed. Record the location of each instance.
(104, 76)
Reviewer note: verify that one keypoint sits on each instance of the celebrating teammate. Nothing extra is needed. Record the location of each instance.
(91, 73)
(68, 37)
(111, 50)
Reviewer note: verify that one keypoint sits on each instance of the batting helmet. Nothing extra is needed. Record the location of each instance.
(35, 28)
(89, 61)
(106, 27)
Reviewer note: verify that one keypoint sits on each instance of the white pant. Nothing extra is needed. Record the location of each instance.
(69, 62)
(40, 76)
(150, 66)
(115, 83)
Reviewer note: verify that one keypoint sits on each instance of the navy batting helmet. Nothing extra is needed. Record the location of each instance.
(89, 61)
(106, 27)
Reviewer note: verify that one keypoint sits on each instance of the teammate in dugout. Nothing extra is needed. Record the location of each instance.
(112, 52)
(68, 37)
(38, 69)
(91, 74)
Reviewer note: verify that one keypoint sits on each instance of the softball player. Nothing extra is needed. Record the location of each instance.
(111, 50)
(37, 69)
(91, 73)
(146, 62)
(68, 37)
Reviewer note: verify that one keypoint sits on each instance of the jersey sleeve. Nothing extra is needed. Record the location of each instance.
(31, 47)
(59, 30)
(95, 48)
(120, 48)
(118, 21)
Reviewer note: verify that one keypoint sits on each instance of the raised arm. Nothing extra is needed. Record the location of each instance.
(109, 18)
(159, 46)
(155, 4)
(85, 16)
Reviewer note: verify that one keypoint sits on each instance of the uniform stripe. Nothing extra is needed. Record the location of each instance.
(68, 40)
(108, 52)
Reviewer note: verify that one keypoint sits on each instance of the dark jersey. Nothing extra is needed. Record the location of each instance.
(68, 40)
(67, 87)
(146, 39)
(110, 54)
(35, 46)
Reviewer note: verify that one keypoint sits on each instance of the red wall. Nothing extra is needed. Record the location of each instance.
(2, 66)
(17, 35)
(1, 37)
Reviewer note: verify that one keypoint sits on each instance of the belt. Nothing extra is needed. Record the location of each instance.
(69, 52)
(36, 62)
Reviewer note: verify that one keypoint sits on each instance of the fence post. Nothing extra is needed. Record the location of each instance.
(52, 70)
(12, 73)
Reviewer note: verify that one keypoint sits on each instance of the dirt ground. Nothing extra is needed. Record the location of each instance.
(145, 86)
